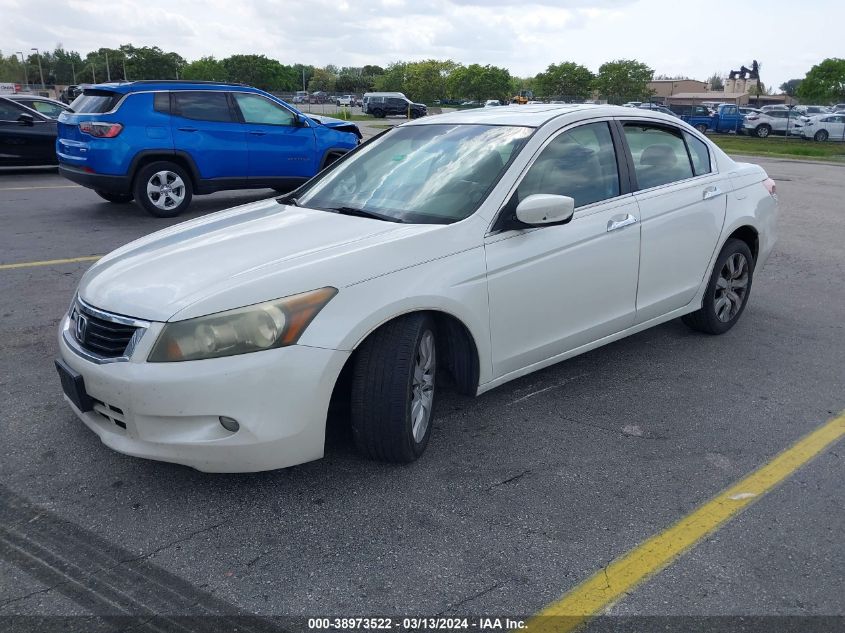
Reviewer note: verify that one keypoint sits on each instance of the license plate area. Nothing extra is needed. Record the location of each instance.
(73, 384)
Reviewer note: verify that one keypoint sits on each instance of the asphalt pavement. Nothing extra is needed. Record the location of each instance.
(522, 494)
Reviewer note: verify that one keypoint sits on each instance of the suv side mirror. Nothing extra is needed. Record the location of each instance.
(544, 208)
(26, 119)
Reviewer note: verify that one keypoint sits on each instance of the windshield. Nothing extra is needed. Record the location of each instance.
(420, 173)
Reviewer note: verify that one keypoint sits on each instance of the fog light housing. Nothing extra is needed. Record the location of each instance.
(230, 424)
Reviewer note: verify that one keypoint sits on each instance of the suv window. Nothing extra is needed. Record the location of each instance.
(201, 105)
(95, 102)
(580, 163)
(660, 155)
(257, 109)
(699, 154)
(9, 111)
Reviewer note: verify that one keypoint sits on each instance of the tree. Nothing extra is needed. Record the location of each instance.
(392, 79)
(825, 83)
(716, 83)
(322, 79)
(479, 82)
(205, 69)
(623, 80)
(260, 71)
(566, 80)
(790, 87)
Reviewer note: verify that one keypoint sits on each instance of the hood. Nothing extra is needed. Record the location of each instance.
(336, 124)
(253, 253)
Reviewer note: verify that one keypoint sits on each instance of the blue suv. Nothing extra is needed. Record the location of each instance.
(161, 142)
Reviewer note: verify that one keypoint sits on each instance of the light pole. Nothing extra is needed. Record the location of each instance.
(23, 63)
(73, 70)
(40, 70)
(108, 72)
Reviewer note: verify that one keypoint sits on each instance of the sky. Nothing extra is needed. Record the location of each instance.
(672, 36)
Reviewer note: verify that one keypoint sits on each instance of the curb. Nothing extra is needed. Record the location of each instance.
(784, 159)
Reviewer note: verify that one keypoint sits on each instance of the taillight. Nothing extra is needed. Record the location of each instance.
(100, 129)
(771, 187)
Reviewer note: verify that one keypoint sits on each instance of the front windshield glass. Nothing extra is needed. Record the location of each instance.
(420, 173)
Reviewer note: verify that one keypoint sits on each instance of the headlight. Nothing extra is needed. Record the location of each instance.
(267, 325)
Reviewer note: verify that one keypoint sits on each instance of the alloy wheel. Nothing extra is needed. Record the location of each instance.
(731, 287)
(422, 392)
(166, 189)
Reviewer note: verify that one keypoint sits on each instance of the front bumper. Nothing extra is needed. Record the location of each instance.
(171, 411)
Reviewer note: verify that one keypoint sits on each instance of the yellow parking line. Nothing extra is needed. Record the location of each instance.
(623, 574)
(44, 187)
(51, 262)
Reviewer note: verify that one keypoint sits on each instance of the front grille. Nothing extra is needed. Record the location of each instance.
(99, 334)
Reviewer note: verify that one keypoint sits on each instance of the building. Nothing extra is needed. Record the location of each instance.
(714, 96)
(663, 88)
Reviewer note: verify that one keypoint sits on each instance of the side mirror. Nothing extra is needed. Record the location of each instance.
(544, 208)
(26, 119)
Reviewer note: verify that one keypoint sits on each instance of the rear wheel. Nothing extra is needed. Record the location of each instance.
(393, 390)
(378, 113)
(727, 291)
(163, 189)
(117, 198)
(701, 128)
(762, 131)
(820, 136)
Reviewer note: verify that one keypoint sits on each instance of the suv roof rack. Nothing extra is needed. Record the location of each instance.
(187, 81)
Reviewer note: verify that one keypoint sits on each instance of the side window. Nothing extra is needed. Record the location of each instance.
(161, 102)
(202, 105)
(9, 112)
(580, 163)
(660, 155)
(256, 109)
(699, 154)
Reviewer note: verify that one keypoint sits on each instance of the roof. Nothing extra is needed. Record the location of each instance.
(123, 87)
(534, 115)
(712, 95)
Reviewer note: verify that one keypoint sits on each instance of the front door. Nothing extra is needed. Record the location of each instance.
(25, 142)
(280, 146)
(553, 289)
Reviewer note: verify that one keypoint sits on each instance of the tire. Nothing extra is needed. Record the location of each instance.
(724, 298)
(116, 198)
(394, 389)
(701, 128)
(762, 131)
(150, 192)
(820, 136)
(378, 113)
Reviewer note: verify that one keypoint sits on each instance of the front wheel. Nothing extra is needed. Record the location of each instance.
(393, 390)
(727, 291)
(163, 189)
(117, 198)
(762, 131)
(820, 136)
(701, 128)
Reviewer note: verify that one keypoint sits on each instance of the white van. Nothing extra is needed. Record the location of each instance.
(379, 96)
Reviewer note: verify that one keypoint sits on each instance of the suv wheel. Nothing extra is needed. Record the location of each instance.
(117, 198)
(378, 113)
(163, 189)
(762, 131)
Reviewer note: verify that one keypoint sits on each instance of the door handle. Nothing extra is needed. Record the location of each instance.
(711, 192)
(257, 133)
(620, 222)
(187, 129)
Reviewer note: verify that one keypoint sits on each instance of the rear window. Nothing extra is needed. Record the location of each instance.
(95, 102)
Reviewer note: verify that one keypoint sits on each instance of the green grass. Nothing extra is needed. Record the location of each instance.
(780, 147)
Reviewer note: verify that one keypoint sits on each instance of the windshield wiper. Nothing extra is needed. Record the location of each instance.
(362, 213)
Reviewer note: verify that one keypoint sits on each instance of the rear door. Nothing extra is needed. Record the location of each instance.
(280, 144)
(22, 143)
(205, 126)
(682, 203)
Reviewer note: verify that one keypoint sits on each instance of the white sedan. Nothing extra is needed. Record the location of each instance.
(484, 244)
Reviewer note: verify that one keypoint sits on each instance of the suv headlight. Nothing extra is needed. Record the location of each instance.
(267, 325)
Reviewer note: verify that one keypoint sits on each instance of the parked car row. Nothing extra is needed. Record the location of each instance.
(28, 130)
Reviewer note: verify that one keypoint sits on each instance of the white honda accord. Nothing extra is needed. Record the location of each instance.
(484, 244)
